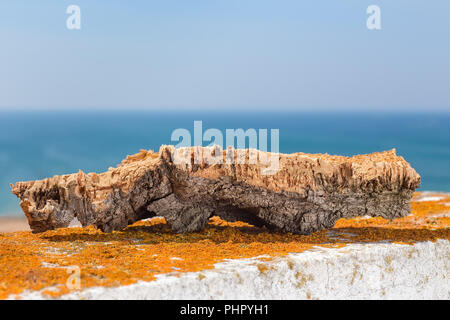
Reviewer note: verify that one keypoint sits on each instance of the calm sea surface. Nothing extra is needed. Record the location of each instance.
(36, 145)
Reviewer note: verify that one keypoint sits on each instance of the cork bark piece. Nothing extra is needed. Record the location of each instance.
(306, 192)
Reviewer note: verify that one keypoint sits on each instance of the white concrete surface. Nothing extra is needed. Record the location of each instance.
(357, 271)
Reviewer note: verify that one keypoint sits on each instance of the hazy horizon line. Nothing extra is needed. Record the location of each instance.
(231, 109)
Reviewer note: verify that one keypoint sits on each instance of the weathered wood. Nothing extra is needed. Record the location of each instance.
(307, 193)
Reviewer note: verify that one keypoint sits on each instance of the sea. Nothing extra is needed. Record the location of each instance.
(39, 144)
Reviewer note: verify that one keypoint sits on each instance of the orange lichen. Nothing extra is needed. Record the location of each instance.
(148, 248)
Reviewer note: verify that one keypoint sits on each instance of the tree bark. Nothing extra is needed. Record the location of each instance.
(305, 194)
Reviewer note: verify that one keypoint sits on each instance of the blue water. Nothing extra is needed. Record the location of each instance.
(35, 145)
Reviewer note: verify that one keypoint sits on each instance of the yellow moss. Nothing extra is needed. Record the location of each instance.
(262, 268)
(388, 259)
(303, 279)
(290, 264)
(147, 248)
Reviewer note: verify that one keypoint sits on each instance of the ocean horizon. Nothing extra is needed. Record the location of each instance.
(39, 144)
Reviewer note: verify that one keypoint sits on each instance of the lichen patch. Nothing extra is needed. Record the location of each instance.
(40, 262)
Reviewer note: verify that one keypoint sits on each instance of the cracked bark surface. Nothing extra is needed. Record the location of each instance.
(306, 194)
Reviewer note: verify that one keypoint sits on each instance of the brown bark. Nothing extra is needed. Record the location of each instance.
(307, 193)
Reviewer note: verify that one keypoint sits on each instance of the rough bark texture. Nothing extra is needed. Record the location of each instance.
(307, 193)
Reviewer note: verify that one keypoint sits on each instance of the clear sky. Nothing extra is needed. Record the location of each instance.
(220, 54)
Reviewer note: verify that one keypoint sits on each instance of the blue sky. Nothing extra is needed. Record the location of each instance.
(225, 54)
